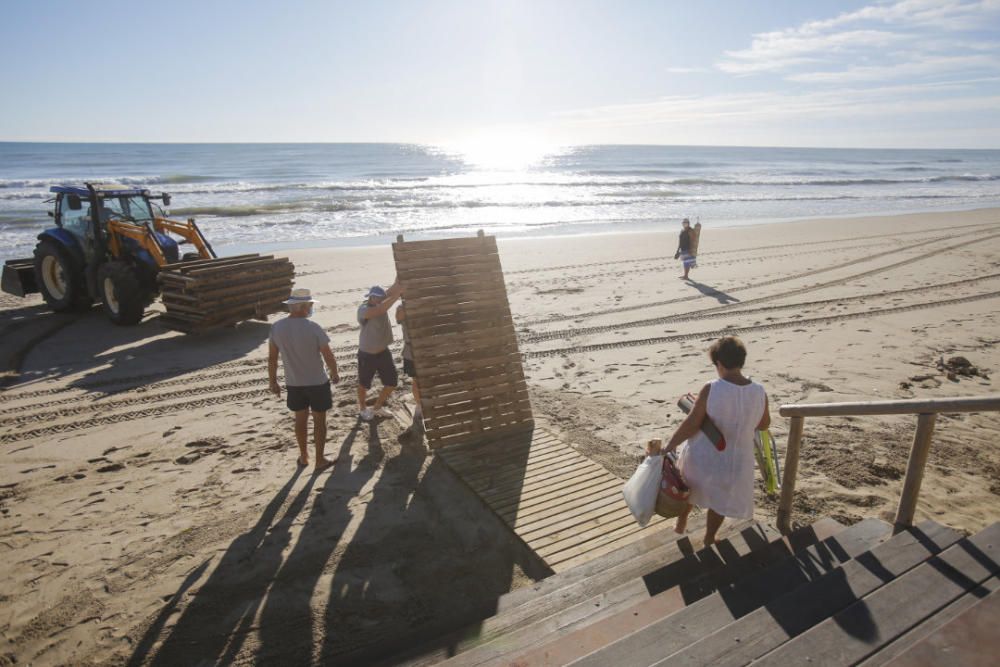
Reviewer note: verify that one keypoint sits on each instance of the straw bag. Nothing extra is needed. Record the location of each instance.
(672, 497)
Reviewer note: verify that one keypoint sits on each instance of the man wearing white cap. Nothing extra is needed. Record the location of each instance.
(303, 347)
(373, 350)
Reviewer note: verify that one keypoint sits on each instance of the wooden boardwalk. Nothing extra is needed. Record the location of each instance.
(564, 506)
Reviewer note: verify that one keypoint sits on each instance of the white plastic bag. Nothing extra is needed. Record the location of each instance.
(641, 489)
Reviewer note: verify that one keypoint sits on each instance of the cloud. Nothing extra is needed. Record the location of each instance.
(918, 67)
(774, 107)
(851, 38)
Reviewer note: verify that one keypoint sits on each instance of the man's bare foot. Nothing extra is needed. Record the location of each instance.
(302, 462)
(682, 522)
(323, 464)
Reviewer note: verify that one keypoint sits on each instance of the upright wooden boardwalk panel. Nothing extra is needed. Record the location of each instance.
(464, 346)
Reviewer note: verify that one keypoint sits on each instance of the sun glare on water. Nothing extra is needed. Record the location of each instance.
(503, 151)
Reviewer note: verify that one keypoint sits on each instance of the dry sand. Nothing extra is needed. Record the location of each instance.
(151, 510)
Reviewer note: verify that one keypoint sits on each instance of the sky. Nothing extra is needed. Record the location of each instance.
(890, 73)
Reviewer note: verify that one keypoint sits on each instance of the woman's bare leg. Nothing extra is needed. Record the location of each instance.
(682, 520)
(712, 525)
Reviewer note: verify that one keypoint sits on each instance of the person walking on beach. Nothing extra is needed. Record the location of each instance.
(722, 481)
(684, 249)
(303, 347)
(373, 350)
(411, 372)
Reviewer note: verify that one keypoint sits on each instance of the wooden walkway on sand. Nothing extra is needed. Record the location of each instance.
(564, 506)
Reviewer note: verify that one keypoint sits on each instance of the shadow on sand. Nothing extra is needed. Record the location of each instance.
(717, 294)
(382, 560)
(112, 357)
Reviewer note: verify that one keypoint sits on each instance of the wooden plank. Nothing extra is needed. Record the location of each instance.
(582, 511)
(520, 460)
(864, 627)
(224, 267)
(470, 390)
(472, 420)
(515, 496)
(965, 647)
(524, 473)
(486, 276)
(605, 524)
(473, 467)
(693, 576)
(198, 263)
(989, 403)
(516, 408)
(481, 437)
(455, 456)
(665, 636)
(476, 243)
(969, 640)
(502, 487)
(556, 497)
(765, 629)
(414, 267)
(656, 525)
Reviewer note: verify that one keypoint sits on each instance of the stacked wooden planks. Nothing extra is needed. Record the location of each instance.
(464, 346)
(206, 294)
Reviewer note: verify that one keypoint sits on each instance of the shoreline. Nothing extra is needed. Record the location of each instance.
(388, 239)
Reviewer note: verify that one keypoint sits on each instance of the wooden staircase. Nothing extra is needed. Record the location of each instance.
(825, 594)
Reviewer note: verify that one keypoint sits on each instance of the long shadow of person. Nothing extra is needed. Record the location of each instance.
(427, 557)
(717, 294)
(230, 595)
(287, 623)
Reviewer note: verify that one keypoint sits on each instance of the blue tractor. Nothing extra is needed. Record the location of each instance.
(108, 246)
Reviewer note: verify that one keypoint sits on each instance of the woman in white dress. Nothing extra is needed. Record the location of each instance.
(722, 481)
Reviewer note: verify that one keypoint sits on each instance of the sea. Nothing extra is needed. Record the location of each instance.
(260, 197)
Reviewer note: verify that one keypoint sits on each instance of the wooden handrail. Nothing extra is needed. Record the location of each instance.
(913, 406)
(926, 411)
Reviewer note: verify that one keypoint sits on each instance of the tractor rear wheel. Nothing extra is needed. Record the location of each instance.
(122, 293)
(60, 280)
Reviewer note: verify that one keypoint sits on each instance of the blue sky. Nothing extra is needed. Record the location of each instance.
(906, 73)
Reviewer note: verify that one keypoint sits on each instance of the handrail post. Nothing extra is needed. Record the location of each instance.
(915, 470)
(791, 472)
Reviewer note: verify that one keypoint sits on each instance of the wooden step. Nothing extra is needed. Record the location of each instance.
(667, 590)
(689, 566)
(671, 634)
(551, 599)
(863, 628)
(903, 643)
(767, 628)
(969, 640)
(643, 545)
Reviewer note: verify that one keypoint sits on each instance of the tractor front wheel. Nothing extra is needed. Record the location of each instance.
(60, 281)
(122, 293)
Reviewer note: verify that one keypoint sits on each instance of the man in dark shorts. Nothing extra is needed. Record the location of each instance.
(303, 347)
(374, 356)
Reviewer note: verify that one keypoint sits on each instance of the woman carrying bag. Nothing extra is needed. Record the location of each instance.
(721, 480)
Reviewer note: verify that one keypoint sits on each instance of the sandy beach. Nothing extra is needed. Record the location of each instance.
(151, 511)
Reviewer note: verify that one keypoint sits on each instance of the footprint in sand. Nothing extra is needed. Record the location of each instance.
(172, 430)
(114, 467)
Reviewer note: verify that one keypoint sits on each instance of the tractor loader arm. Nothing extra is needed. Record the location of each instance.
(188, 231)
